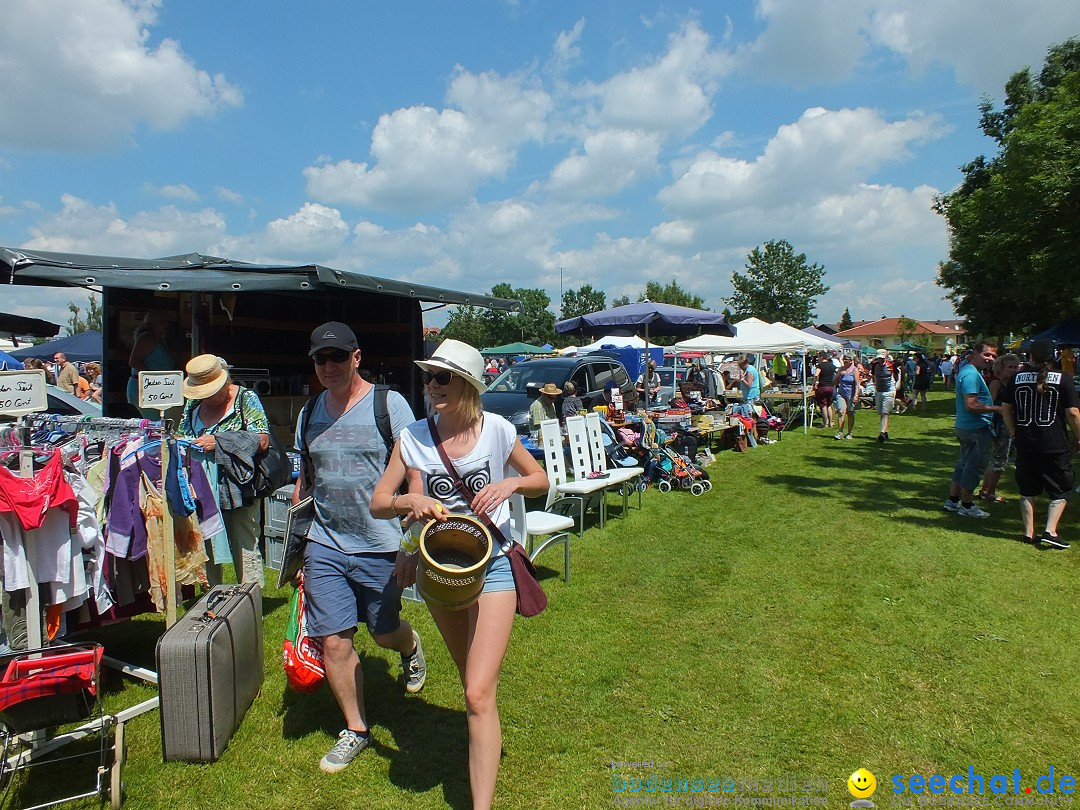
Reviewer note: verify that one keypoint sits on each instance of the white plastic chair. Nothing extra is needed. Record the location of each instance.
(537, 524)
(582, 489)
(620, 478)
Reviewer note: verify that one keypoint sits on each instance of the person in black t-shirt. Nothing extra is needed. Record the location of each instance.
(1037, 404)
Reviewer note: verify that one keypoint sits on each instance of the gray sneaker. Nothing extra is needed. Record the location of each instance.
(414, 667)
(951, 506)
(349, 744)
(974, 511)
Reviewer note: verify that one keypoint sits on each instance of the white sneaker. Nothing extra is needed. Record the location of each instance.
(974, 511)
(951, 506)
(838, 436)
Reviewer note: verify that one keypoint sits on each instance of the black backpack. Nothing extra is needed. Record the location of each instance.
(382, 422)
(273, 467)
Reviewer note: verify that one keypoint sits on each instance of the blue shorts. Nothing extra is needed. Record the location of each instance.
(340, 588)
(499, 575)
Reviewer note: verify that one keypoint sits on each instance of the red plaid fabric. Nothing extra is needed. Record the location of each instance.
(57, 671)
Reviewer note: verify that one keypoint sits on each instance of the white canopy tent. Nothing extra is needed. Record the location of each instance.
(619, 341)
(754, 336)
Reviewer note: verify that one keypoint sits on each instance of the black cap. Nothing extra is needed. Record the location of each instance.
(332, 335)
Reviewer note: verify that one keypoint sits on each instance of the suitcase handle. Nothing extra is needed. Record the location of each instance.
(216, 598)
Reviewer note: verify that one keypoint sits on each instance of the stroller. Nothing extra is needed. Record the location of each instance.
(668, 469)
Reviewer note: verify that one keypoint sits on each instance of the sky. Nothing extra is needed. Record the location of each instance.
(535, 142)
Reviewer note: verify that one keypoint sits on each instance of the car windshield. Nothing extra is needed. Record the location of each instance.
(531, 374)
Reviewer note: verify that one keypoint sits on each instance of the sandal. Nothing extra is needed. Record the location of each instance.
(985, 496)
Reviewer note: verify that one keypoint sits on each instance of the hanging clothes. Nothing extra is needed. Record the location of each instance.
(31, 498)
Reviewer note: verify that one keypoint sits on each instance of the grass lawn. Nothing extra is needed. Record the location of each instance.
(816, 612)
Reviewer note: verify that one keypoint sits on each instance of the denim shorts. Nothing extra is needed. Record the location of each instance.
(883, 402)
(975, 451)
(499, 575)
(341, 589)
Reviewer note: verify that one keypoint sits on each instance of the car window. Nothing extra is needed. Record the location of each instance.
(581, 380)
(602, 372)
(622, 379)
(521, 376)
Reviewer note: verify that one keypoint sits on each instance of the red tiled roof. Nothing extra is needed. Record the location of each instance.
(890, 326)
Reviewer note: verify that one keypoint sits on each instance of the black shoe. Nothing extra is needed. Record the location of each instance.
(881, 437)
(886, 434)
(1031, 541)
(1053, 541)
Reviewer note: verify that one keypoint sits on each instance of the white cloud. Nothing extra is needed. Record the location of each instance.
(229, 196)
(177, 191)
(426, 158)
(82, 75)
(81, 227)
(612, 160)
(313, 229)
(671, 96)
(566, 51)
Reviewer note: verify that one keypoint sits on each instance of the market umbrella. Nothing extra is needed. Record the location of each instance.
(648, 318)
(9, 363)
(1066, 333)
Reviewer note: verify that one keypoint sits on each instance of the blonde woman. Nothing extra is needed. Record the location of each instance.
(494, 465)
(846, 384)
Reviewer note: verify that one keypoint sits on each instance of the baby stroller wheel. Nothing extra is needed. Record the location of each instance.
(697, 488)
(707, 484)
(664, 486)
(644, 485)
(686, 482)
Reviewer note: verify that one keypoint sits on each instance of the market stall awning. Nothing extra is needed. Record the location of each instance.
(195, 272)
(21, 325)
(516, 348)
(82, 347)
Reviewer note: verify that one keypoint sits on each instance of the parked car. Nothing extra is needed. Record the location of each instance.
(511, 393)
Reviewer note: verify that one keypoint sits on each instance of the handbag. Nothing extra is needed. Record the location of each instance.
(301, 654)
(531, 599)
(273, 467)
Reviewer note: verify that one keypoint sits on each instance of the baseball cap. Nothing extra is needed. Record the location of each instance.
(332, 335)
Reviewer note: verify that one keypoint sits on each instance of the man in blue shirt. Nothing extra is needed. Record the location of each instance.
(975, 410)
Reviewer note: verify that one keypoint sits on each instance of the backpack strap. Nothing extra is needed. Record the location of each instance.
(382, 420)
(305, 452)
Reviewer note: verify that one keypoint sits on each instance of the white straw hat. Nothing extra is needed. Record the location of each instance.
(206, 375)
(460, 358)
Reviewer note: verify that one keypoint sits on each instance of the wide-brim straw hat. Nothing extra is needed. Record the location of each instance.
(206, 375)
(551, 390)
(460, 358)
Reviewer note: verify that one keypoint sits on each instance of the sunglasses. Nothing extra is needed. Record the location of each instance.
(338, 356)
(441, 377)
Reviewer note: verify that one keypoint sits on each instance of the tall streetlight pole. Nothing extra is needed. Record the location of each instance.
(560, 288)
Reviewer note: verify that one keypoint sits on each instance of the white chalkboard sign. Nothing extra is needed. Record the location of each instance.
(22, 392)
(160, 390)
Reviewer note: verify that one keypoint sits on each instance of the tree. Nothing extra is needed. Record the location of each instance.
(466, 324)
(582, 301)
(92, 322)
(620, 301)
(1013, 241)
(534, 324)
(671, 294)
(845, 320)
(906, 327)
(779, 286)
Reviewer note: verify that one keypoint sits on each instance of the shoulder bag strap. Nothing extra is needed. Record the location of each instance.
(461, 486)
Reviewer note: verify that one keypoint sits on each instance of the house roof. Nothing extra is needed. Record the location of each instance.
(890, 326)
(195, 272)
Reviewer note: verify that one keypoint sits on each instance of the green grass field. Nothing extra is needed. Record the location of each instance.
(816, 612)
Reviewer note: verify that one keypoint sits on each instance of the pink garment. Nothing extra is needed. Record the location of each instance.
(31, 498)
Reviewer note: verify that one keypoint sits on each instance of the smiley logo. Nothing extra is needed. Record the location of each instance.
(862, 784)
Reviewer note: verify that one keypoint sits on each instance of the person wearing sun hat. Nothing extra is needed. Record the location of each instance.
(543, 407)
(494, 465)
(229, 424)
(350, 556)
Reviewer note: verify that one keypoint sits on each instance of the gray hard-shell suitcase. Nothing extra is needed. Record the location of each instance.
(210, 667)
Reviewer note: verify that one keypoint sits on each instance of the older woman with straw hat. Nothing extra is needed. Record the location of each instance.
(229, 424)
(488, 457)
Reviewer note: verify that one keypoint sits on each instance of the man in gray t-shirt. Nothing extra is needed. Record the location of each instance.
(349, 558)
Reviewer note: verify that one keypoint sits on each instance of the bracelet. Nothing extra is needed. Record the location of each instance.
(393, 503)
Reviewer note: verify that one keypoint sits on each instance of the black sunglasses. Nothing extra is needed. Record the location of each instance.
(337, 356)
(441, 377)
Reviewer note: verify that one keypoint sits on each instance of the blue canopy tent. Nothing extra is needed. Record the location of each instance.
(1066, 333)
(645, 318)
(78, 348)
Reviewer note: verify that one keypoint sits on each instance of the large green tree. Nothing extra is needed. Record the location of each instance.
(1014, 244)
(535, 323)
(778, 286)
(582, 301)
(467, 324)
(845, 320)
(670, 293)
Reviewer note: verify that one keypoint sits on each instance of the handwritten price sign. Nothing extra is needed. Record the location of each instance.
(22, 392)
(161, 389)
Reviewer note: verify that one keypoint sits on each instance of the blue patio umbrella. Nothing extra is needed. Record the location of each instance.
(648, 318)
(9, 363)
(81, 347)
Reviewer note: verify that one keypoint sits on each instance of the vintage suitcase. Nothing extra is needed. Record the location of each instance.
(210, 667)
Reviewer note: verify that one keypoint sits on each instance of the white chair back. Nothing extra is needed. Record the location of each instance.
(518, 532)
(554, 458)
(597, 456)
(578, 434)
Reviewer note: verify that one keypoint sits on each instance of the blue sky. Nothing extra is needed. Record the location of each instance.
(536, 143)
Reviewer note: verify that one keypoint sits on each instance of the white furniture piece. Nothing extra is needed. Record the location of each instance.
(584, 491)
(554, 529)
(623, 479)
